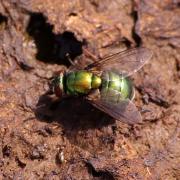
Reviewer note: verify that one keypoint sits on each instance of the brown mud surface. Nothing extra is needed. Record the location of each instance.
(41, 138)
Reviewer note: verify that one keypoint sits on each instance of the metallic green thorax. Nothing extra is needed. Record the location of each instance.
(82, 82)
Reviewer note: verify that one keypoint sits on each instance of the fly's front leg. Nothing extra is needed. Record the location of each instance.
(86, 58)
(87, 53)
(80, 63)
(70, 60)
(74, 65)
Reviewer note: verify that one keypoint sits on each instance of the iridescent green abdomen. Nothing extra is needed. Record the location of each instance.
(121, 86)
(81, 82)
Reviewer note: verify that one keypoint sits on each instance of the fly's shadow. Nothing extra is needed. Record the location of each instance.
(72, 113)
(80, 121)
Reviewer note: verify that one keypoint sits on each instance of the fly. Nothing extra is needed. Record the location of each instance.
(105, 83)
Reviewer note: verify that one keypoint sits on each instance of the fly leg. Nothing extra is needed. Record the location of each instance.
(70, 60)
(86, 59)
(87, 53)
(74, 65)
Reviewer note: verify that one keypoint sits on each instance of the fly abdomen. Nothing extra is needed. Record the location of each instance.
(122, 87)
(81, 82)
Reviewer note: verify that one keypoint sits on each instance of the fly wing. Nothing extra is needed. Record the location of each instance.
(126, 62)
(112, 104)
(124, 111)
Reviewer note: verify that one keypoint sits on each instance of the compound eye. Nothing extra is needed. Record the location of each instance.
(56, 85)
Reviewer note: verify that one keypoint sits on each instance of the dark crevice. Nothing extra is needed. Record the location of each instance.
(51, 47)
(3, 19)
(104, 175)
(67, 43)
(73, 14)
(177, 65)
(6, 151)
(136, 37)
(127, 42)
(20, 163)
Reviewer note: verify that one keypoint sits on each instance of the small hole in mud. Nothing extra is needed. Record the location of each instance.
(6, 151)
(3, 18)
(51, 47)
(100, 174)
(72, 14)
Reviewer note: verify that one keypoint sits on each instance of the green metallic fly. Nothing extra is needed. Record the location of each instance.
(105, 83)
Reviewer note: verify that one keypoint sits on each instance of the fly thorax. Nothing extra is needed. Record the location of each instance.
(58, 85)
(81, 82)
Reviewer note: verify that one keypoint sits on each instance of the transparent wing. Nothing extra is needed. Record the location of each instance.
(120, 109)
(126, 62)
